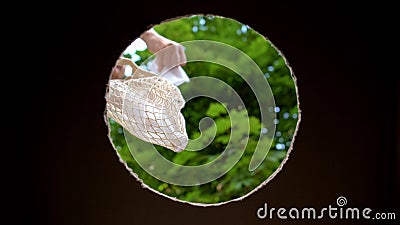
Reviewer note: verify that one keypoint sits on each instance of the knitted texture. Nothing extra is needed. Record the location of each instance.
(149, 108)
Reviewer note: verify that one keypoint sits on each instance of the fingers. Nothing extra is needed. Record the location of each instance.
(118, 72)
(168, 58)
(171, 56)
(159, 61)
(182, 56)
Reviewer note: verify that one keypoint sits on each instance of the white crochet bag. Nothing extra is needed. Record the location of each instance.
(148, 106)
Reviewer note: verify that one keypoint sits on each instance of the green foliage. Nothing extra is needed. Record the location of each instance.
(238, 181)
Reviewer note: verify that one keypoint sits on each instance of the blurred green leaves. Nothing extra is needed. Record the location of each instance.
(215, 109)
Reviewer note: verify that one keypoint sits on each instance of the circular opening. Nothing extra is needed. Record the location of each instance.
(202, 110)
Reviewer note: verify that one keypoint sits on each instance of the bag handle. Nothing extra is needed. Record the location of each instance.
(137, 71)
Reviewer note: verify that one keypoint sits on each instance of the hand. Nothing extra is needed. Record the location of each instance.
(118, 72)
(169, 53)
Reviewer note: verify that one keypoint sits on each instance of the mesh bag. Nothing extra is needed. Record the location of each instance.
(148, 106)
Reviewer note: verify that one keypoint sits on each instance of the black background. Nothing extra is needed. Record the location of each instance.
(348, 143)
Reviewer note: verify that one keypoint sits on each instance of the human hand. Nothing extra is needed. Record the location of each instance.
(169, 53)
(118, 72)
